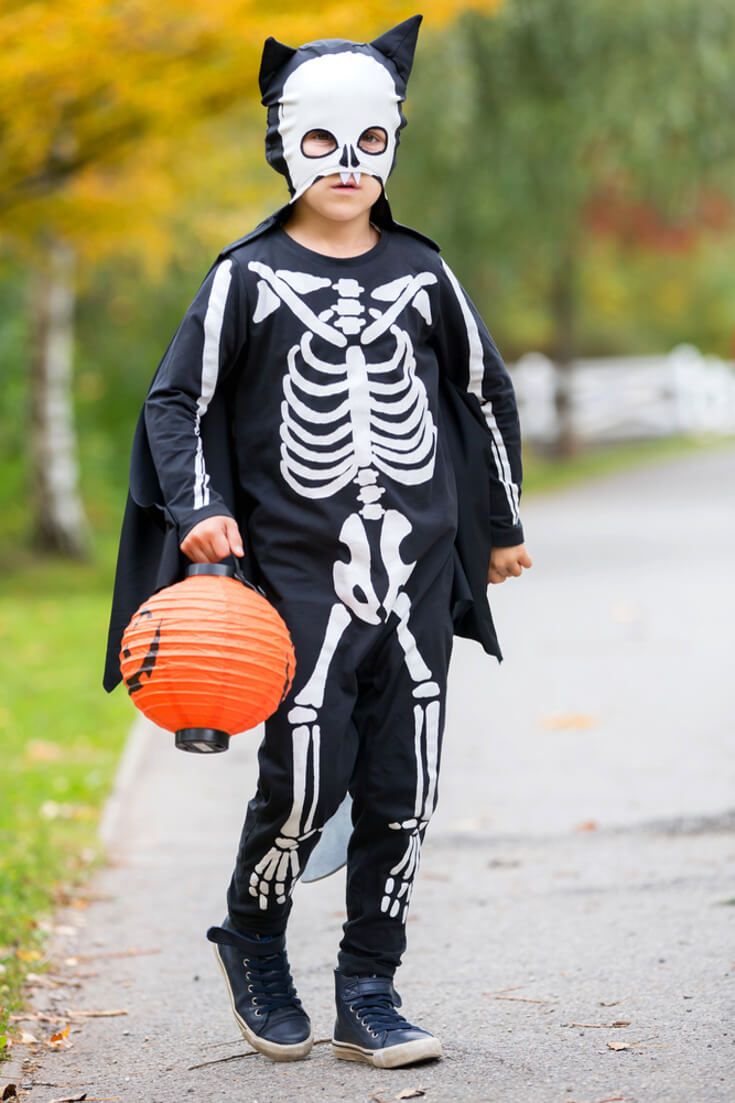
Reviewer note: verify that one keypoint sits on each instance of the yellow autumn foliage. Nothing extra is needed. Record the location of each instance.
(102, 106)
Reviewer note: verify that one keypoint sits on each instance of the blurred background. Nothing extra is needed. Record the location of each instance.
(575, 159)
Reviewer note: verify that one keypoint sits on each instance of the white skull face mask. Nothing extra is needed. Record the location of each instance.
(341, 89)
(345, 95)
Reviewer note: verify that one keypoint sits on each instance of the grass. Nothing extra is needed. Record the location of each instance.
(62, 734)
(542, 475)
(61, 740)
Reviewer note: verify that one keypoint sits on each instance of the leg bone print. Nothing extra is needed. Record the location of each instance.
(399, 882)
(280, 867)
(354, 421)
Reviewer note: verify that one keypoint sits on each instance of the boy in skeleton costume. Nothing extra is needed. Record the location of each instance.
(328, 375)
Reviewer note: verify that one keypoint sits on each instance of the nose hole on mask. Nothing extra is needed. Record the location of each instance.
(354, 161)
(343, 159)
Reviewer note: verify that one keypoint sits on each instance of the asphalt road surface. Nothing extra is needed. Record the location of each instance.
(572, 930)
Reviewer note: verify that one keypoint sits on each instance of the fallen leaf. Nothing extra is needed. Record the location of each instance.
(29, 955)
(9, 1092)
(378, 1097)
(410, 1093)
(69, 1098)
(568, 721)
(60, 1035)
(586, 825)
(630, 1045)
(26, 1039)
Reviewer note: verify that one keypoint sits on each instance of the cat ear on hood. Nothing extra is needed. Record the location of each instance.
(275, 55)
(399, 45)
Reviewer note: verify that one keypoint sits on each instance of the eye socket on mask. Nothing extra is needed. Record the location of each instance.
(320, 143)
(373, 140)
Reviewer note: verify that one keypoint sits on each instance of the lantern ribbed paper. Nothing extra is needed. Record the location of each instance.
(207, 653)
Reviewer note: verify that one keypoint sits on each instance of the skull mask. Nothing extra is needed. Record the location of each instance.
(340, 87)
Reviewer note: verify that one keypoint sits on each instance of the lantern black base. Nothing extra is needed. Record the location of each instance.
(202, 740)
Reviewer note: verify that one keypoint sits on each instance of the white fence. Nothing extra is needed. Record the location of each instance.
(628, 398)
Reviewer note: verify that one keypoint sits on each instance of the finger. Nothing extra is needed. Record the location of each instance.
(202, 551)
(220, 544)
(193, 550)
(199, 549)
(233, 536)
(495, 576)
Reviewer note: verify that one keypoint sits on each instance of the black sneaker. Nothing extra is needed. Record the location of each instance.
(262, 993)
(369, 1029)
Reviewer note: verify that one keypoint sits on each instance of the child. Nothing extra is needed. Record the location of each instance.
(353, 377)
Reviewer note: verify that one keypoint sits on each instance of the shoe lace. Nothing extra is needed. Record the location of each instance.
(377, 1012)
(270, 982)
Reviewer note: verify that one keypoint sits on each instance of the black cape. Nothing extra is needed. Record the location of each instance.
(149, 557)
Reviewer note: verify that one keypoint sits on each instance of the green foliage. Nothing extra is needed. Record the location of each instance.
(554, 128)
(61, 737)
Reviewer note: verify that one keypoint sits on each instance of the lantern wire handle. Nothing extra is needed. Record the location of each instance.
(246, 581)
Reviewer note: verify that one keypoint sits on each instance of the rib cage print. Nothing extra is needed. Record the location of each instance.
(354, 419)
(379, 418)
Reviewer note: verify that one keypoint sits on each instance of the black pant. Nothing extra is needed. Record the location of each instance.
(376, 733)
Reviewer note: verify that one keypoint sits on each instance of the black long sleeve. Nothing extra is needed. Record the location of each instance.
(206, 345)
(471, 359)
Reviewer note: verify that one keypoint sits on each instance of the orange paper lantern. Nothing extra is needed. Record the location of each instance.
(207, 657)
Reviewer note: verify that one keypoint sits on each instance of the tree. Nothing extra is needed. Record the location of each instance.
(551, 105)
(91, 92)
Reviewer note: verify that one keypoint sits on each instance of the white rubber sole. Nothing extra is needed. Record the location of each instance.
(392, 1057)
(276, 1052)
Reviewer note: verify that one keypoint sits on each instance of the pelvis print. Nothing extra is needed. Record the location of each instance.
(345, 420)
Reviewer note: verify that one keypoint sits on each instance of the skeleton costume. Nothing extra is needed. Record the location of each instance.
(356, 418)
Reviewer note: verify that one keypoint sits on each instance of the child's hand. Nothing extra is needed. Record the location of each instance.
(507, 563)
(213, 539)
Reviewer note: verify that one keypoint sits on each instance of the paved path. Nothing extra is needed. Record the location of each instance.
(580, 869)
